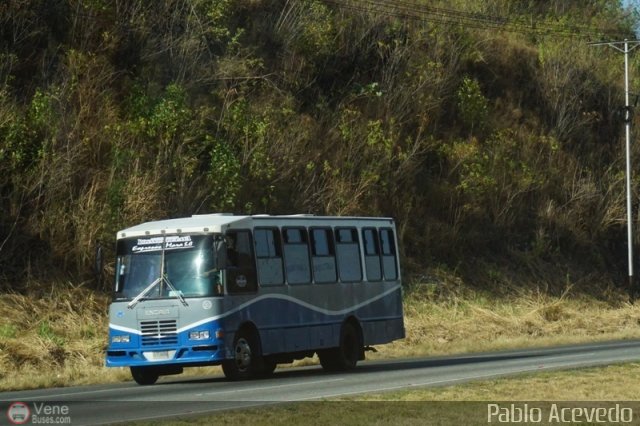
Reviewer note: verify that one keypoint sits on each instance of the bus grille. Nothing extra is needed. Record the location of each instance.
(163, 332)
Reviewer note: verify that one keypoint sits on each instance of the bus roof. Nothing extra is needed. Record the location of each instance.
(217, 222)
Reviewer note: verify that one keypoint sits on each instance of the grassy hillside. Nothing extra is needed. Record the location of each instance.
(489, 130)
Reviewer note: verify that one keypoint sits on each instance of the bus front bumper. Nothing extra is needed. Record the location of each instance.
(192, 355)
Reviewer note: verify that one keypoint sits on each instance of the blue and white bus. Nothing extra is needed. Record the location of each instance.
(249, 292)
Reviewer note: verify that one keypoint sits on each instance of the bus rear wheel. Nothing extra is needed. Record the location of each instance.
(144, 375)
(346, 356)
(247, 359)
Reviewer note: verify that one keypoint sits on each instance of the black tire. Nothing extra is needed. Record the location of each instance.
(144, 375)
(346, 356)
(268, 367)
(247, 361)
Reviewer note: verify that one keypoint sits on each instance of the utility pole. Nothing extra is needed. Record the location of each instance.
(626, 47)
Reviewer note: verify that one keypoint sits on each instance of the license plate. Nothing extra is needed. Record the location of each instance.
(160, 355)
(157, 355)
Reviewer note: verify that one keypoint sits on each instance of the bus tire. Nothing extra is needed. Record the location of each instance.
(247, 359)
(346, 356)
(144, 375)
(268, 367)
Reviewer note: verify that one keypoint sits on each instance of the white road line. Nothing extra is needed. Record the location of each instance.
(26, 397)
(454, 380)
(544, 358)
(189, 413)
(258, 388)
(432, 382)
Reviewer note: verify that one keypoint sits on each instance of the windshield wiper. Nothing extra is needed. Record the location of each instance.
(163, 277)
(143, 293)
(176, 292)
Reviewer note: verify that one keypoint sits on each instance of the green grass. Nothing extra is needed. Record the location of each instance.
(459, 404)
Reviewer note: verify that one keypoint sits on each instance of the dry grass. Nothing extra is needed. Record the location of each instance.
(53, 339)
(59, 338)
(440, 320)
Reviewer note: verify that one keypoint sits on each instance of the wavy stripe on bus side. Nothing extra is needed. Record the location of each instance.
(264, 297)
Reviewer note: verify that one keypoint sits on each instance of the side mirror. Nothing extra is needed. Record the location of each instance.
(220, 252)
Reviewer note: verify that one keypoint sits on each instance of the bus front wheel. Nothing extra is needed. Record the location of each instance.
(267, 368)
(246, 357)
(346, 356)
(144, 375)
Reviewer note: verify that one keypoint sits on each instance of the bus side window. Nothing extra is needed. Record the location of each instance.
(269, 256)
(371, 254)
(323, 255)
(348, 254)
(389, 262)
(296, 255)
(241, 271)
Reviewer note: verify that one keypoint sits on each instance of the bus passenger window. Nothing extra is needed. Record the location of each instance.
(371, 254)
(388, 248)
(269, 256)
(323, 256)
(348, 255)
(296, 256)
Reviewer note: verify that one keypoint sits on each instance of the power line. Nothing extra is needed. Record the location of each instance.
(411, 10)
(451, 16)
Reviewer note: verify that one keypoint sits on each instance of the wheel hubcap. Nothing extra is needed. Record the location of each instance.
(243, 354)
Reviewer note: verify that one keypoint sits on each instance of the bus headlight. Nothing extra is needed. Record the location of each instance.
(125, 338)
(199, 335)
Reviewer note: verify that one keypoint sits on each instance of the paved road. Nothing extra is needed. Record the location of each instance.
(179, 396)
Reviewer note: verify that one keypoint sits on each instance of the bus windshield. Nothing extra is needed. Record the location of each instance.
(189, 267)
